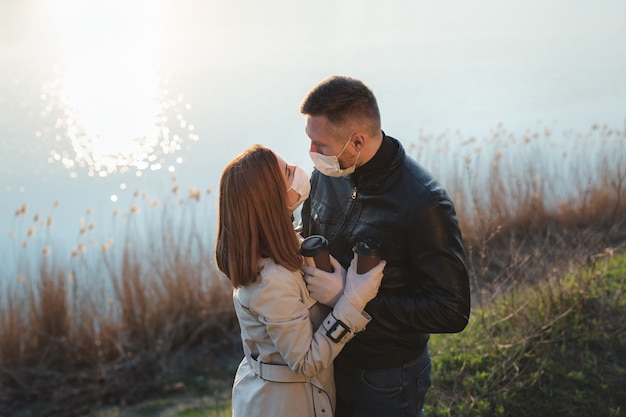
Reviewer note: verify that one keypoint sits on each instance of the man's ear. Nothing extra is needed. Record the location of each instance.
(359, 141)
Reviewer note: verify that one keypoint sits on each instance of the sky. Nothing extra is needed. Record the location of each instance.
(81, 81)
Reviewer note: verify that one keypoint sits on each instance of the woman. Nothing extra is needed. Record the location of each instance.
(287, 368)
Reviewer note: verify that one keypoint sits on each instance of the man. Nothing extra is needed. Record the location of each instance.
(365, 187)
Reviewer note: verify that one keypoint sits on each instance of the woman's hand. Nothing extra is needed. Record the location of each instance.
(360, 289)
(325, 287)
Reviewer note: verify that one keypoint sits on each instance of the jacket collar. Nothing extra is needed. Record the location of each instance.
(377, 170)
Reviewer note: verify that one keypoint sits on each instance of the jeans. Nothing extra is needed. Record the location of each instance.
(388, 392)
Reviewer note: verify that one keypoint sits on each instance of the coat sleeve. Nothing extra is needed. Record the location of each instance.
(281, 310)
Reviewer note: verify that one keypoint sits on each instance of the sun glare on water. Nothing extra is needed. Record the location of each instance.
(111, 110)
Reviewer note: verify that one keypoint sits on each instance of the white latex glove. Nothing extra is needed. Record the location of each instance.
(360, 289)
(325, 287)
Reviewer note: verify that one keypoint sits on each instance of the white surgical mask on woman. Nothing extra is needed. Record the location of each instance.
(300, 185)
(329, 165)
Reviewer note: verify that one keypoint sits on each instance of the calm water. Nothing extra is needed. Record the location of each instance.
(111, 105)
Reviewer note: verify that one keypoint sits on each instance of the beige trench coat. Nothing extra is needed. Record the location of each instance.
(289, 371)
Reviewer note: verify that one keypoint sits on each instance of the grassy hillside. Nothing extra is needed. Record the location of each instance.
(553, 349)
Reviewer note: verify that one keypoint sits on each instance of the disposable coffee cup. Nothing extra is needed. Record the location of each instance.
(315, 251)
(367, 254)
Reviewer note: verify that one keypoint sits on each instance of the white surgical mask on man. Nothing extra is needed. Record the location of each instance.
(300, 185)
(329, 165)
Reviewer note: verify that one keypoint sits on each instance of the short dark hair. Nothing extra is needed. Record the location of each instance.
(342, 99)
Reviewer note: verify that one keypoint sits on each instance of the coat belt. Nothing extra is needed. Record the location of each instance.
(275, 373)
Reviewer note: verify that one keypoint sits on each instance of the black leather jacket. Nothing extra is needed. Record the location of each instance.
(425, 288)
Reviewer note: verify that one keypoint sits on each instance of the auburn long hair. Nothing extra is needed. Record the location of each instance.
(253, 218)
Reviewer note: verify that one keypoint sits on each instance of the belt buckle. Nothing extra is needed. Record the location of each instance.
(337, 331)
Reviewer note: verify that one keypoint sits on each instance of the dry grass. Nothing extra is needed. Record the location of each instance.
(111, 322)
(532, 204)
(103, 326)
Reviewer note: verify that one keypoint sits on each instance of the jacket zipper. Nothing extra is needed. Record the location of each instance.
(345, 219)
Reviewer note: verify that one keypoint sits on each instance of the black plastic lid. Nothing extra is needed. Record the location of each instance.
(313, 245)
(368, 248)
